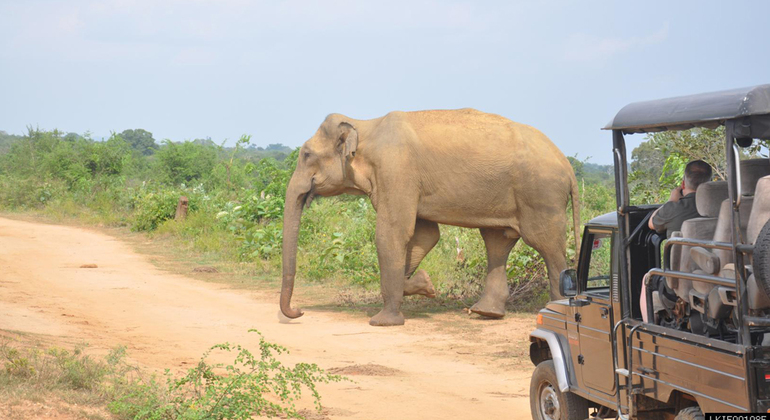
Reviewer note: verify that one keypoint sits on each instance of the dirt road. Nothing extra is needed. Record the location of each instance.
(441, 367)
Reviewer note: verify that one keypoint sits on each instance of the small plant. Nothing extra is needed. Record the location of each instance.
(261, 241)
(16, 365)
(252, 385)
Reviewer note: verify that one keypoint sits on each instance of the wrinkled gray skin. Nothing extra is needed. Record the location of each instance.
(458, 167)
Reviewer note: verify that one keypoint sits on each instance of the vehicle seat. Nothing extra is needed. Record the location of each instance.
(751, 171)
(754, 213)
(718, 262)
(708, 200)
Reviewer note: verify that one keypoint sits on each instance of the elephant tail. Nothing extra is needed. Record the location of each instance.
(575, 195)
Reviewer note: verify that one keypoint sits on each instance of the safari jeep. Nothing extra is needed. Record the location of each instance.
(699, 342)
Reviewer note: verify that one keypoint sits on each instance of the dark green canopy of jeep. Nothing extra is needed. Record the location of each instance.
(749, 107)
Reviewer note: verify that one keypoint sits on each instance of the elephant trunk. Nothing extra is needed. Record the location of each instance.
(297, 195)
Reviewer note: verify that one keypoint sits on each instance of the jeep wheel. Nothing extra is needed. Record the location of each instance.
(690, 413)
(548, 403)
(761, 262)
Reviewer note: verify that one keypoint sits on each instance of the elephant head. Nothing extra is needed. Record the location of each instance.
(322, 170)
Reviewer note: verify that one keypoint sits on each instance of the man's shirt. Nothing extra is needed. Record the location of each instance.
(672, 214)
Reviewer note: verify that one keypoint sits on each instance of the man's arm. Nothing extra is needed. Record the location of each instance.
(676, 194)
(649, 222)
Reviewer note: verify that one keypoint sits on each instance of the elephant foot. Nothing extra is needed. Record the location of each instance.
(488, 309)
(387, 319)
(419, 284)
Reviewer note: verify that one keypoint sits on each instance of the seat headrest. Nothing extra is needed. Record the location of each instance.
(709, 197)
(751, 171)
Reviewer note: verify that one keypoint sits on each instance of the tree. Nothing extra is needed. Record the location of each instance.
(658, 163)
(140, 141)
(185, 162)
(244, 140)
(6, 140)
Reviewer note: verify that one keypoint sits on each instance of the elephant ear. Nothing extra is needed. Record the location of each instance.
(348, 140)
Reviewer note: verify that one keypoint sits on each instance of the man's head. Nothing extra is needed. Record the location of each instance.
(695, 173)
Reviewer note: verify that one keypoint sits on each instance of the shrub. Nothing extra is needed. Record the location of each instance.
(251, 385)
(154, 205)
(185, 162)
(153, 208)
(248, 387)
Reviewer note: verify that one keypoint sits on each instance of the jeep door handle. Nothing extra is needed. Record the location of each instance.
(605, 312)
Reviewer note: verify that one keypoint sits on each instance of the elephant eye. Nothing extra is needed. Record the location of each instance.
(307, 155)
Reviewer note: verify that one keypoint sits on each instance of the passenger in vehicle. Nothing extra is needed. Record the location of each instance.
(681, 205)
(668, 218)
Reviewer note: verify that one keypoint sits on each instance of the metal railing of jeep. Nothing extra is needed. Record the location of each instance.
(666, 272)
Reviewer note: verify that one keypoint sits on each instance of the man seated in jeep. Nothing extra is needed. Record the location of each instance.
(681, 205)
(669, 217)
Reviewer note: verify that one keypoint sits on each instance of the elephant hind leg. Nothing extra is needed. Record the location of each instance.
(495, 295)
(419, 284)
(551, 244)
(426, 236)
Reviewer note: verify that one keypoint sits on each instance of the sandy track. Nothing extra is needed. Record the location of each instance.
(446, 366)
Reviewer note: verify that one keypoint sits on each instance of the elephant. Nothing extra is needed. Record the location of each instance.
(460, 167)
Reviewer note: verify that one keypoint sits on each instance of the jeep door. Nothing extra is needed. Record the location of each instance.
(594, 311)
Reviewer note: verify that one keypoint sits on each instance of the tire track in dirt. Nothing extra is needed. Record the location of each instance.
(168, 320)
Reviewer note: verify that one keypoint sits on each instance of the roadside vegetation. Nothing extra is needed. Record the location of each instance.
(251, 384)
(236, 205)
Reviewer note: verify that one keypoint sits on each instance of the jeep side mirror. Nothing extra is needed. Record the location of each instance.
(568, 283)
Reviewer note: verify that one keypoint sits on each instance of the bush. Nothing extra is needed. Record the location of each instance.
(154, 205)
(251, 385)
(185, 162)
(248, 387)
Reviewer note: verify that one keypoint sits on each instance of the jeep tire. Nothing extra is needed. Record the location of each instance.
(690, 413)
(548, 403)
(761, 259)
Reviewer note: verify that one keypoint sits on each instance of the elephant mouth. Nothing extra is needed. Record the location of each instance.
(309, 196)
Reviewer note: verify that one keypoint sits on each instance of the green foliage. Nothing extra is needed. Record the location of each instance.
(54, 369)
(673, 171)
(152, 205)
(140, 141)
(6, 140)
(337, 240)
(591, 173)
(75, 160)
(153, 208)
(658, 163)
(185, 162)
(251, 385)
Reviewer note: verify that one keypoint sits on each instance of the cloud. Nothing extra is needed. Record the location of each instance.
(583, 47)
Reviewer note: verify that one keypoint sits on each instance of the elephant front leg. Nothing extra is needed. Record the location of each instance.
(495, 295)
(392, 239)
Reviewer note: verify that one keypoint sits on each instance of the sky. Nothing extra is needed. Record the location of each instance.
(274, 69)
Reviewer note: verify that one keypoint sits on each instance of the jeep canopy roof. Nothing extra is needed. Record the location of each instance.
(750, 107)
